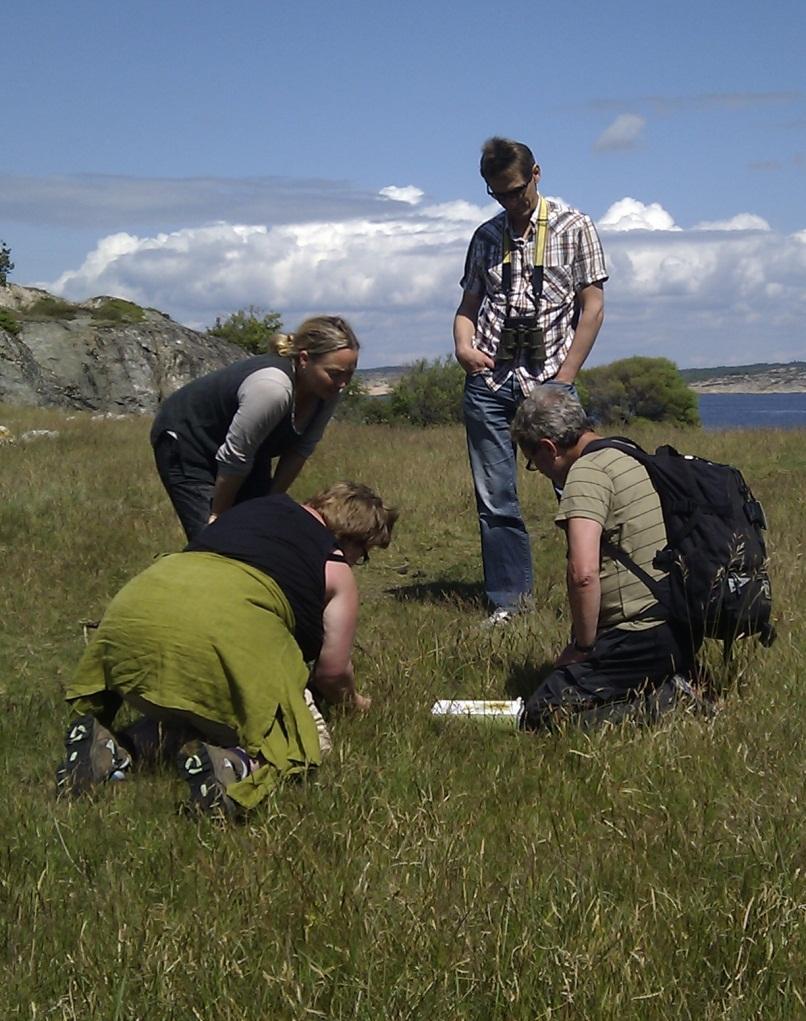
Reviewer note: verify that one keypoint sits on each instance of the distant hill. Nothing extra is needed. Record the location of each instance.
(760, 377)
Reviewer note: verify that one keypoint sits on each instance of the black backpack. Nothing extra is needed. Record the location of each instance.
(717, 584)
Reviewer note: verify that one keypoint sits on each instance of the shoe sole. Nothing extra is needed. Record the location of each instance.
(83, 746)
(208, 792)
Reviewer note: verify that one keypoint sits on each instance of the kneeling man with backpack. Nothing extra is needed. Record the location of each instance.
(663, 550)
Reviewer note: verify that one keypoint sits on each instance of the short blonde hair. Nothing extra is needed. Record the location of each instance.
(354, 511)
(318, 336)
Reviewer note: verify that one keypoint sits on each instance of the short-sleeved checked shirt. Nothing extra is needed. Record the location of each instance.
(573, 260)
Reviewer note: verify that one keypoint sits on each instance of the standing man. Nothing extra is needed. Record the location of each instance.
(531, 308)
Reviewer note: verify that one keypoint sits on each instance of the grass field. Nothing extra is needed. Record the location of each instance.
(425, 872)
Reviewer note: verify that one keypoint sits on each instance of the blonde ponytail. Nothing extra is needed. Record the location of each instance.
(282, 344)
(317, 335)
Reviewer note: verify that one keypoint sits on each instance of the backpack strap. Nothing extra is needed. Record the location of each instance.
(659, 589)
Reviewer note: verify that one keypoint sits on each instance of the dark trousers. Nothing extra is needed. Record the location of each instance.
(624, 669)
(191, 498)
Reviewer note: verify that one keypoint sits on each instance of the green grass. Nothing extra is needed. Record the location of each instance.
(426, 872)
(9, 322)
(48, 307)
(118, 310)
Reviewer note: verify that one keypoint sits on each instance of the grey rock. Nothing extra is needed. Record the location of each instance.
(79, 361)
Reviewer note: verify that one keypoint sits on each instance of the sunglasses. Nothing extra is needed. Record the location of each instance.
(513, 193)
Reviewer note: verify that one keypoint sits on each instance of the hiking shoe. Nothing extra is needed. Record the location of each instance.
(500, 617)
(92, 756)
(209, 770)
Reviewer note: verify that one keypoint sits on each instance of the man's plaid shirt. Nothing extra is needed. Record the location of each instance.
(573, 260)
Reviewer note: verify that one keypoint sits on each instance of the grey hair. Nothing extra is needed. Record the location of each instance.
(549, 413)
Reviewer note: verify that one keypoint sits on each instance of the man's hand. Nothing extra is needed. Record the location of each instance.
(571, 654)
(470, 358)
(473, 361)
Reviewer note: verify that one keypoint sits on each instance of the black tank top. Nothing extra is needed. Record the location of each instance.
(276, 535)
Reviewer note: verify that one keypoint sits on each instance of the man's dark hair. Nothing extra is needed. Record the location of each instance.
(501, 154)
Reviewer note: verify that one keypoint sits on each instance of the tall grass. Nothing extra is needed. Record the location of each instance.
(446, 872)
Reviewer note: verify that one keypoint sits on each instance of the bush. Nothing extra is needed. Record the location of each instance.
(118, 310)
(6, 265)
(249, 328)
(430, 393)
(356, 404)
(48, 307)
(639, 387)
(8, 322)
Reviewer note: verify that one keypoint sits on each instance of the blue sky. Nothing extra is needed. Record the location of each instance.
(314, 157)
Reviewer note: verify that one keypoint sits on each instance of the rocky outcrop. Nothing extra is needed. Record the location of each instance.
(104, 354)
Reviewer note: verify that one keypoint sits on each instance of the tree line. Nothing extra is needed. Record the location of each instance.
(430, 392)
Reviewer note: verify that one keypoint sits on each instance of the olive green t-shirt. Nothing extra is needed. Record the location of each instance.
(612, 488)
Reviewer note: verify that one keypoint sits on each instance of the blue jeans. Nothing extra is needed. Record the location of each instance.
(505, 553)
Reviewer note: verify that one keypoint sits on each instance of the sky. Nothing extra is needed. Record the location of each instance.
(314, 157)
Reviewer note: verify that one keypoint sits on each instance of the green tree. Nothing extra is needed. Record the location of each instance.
(430, 393)
(639, 387)
(249, 328)
(6, 265)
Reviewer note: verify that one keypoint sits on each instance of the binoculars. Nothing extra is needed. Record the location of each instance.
(520, 335)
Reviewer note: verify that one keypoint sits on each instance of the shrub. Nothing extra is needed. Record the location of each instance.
(249, 328)
(639, 387)
(8, 322)
(356, 404)
(49, 307)
(118, 310)
(430, 393)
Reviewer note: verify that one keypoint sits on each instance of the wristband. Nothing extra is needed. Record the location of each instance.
(583, 648)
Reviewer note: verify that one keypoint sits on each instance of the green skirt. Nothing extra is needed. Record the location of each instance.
(210, 638)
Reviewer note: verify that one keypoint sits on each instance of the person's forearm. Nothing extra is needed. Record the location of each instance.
(469, 357)
(584, 598)
(224, 492)
(288, 468)
(464, 330)
(590, 322)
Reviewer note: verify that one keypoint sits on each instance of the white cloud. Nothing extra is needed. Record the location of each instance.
(623, 133)
(742, 221)
(727, 291)
(630, 214)
(410, 195)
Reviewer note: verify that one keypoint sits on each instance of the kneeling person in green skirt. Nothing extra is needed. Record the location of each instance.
(212, 646)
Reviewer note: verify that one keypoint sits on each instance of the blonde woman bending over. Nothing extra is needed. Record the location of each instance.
(215, 439)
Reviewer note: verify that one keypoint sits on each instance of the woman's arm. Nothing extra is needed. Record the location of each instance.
(333, 673)
(288, 467)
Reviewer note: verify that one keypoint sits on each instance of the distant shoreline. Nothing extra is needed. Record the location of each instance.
(747, 388)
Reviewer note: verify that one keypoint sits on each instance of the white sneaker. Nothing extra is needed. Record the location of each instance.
(498, 618)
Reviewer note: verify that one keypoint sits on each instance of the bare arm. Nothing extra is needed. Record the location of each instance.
(582, 577)
(464, 330)
(333, 674)
(224, 493)
(591, 317)
(288, 467)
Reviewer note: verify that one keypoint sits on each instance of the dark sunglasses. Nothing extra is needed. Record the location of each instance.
(513, 193)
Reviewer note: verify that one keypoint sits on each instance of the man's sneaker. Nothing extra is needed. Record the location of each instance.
(209, 770)
(501, 616)
(92, 756)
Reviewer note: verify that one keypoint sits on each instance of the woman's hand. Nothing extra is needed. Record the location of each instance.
(361, 703)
